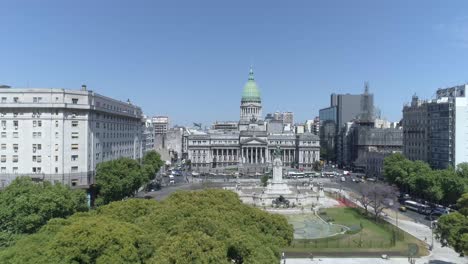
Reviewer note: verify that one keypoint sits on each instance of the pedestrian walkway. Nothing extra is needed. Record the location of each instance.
(438, 255)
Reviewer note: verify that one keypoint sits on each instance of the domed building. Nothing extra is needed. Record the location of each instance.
(248, 145)
(251, 107)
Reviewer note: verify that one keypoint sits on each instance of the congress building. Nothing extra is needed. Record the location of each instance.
(248, 145)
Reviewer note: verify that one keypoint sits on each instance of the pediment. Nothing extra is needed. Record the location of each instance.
(253, 141)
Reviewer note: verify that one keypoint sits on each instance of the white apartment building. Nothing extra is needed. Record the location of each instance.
(61, 135)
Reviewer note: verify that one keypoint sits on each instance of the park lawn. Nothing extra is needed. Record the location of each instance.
(375, 237)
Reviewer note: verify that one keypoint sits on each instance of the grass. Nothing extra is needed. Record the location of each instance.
(367, 237)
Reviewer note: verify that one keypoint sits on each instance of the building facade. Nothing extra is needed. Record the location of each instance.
(416, 130)
(435, 130)
(62, 135)
(343, 108)
(249, 149)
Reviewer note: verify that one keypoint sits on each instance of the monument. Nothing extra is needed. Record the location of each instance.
(277, 185)
(278, 193)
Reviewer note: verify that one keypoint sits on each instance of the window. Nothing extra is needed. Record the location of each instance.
(15, 124)
(34, 123)
(74, 100)
(3, 134)
(15, 158)
(36, 169)
(74, 146)
(74, 157)
(4, 124)
(56, 158)
(39, 123)
(3, 146)
(15, 170)
(56, 134)
(74, 135)
(3, 99)
(37, 158)
(56, 147)
(74, 123)
(56, 123)
(56, 169)
(15, 99)
(74, 169)
(3, 170)
(3, 158)
(15, 148)
(15, 134)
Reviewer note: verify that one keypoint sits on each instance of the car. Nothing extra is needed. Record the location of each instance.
(343, 179)
(402, 208)
(371, 179)
(171, 182)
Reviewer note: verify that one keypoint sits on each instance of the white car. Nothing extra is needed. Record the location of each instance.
(343, 179)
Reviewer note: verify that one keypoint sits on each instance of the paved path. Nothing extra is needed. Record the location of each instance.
(438, 255)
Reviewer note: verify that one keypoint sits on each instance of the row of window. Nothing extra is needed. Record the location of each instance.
(35, 100)
(36, 169)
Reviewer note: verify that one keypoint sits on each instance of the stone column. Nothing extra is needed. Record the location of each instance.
(255, 155)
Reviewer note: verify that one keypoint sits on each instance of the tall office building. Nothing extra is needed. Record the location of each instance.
(61, 135)
(435, 131)
(343, 108)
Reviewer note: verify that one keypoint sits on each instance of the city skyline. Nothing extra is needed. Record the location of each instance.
(182, 62)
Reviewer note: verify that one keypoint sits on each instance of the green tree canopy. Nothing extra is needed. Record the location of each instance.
(118, 179)
(211, 226)
(418, 179)
(25, 205)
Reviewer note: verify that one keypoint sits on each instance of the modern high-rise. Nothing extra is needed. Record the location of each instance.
(62, 135)
(435, 131)
(343, 108)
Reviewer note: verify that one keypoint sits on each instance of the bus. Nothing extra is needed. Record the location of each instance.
(417, 207)
(294, 175)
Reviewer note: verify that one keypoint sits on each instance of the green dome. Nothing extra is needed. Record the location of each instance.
(251, 91)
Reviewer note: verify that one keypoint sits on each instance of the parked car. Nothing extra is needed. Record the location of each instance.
(402, 208)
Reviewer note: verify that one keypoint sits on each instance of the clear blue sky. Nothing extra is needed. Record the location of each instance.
(190, 59)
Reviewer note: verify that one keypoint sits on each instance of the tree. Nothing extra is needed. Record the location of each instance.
(118, 179)
(25, 205)
(462, 170)
(452, 229)
(462, 204)
(364, 198)
(381, 196)
(152, 163)
(210, 226)
(317, 165)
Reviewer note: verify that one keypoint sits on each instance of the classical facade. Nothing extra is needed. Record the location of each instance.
(62, 135)
(249, 147)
